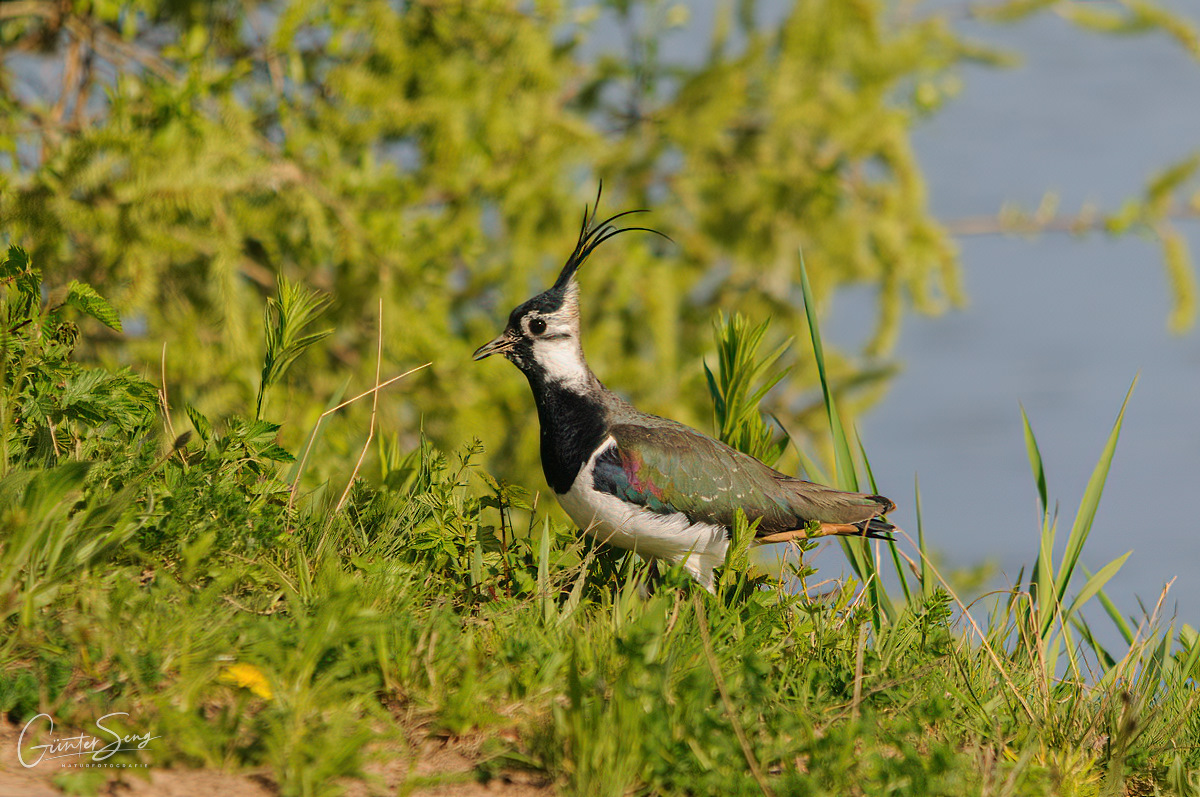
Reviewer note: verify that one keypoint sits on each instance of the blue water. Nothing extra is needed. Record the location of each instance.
(1057, 323)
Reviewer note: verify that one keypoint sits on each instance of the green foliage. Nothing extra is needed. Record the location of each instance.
(1048, 587)
(739, 421)
(85, 299)
(50, 405)
(286, 317)
(436, 156)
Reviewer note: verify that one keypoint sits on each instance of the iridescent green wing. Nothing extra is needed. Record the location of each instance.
(669, 468)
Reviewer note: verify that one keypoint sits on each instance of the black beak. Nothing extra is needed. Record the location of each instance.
(503, 342)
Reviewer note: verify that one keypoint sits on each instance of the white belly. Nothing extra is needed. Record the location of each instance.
(699, 546)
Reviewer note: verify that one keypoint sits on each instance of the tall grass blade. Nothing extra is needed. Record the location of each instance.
(862, 452)
(1050, 657)
(1041, 575)
(1192, 645)
(543, 573)
(318, 430)
(572, 602)
(1041, 579)
(927, 581)
(1035, 461)
(1087, 507)
(901, 570)
(844, 477)
(1096, 583)
(476, 564)
(1114, 614)
(1072, 656)
(1152, 674)
(812, 469)
(1106, 659)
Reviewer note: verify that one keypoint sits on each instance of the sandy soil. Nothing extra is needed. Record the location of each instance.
(451, 761)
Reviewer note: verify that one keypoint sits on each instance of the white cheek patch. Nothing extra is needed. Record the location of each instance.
(562, 360)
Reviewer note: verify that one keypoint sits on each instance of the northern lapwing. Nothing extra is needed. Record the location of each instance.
(644, 483)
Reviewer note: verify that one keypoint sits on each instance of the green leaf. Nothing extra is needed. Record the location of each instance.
(1041, 578)
(286, 317)
(845, 475)
(84, 298)
(1114, 614)
(1087, 507)
(1035, 461)
(1096, 583)
(201, 423)
(476, 565)
(737, 554)
(927, 585)
(275, 453)
(257, 432)
(543, 573)
(485, 537)
(846, 478)
(17, 262)
(1107, 660)
(28, 280)
(1187, 637)
(740, 421)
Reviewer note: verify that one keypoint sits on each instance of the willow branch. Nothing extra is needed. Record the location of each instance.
(1032, 224)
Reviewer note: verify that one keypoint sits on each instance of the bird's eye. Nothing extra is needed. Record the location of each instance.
(537, 326)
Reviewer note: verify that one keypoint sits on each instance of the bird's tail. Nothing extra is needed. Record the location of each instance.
(873, 529)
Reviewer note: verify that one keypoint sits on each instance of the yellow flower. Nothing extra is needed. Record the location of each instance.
(246, 676)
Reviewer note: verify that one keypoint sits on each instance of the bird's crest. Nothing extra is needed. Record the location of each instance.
(591, 235)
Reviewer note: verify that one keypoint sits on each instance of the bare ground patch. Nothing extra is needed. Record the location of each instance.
(432, 767)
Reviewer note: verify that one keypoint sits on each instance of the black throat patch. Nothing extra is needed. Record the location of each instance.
(573, 425)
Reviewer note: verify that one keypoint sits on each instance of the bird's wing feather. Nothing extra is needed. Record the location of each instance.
(667, 468)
